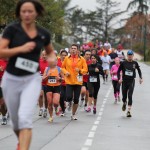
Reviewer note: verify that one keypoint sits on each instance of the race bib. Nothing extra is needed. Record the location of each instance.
(115, 77)
(129, 73)
(93, 79)
(52, 80)
(80, 78)
(27, 65)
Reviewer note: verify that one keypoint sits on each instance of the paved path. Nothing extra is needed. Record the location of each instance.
(108, 130)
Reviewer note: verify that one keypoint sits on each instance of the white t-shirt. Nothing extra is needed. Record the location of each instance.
(105, 62)
(120, 55)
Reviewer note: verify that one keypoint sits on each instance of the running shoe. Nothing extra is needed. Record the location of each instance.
(88, 109)
(129, 114)
(73, 117)
(81, 102)
(94, 110)
(50, 119)
(124, 107)
(45, 113)
(69, 106)
(62, 114)
(41, 112)
(4, 121)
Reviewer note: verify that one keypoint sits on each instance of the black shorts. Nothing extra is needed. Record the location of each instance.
(85, 84)
(1, 94)
(44, 88)
(53, 89)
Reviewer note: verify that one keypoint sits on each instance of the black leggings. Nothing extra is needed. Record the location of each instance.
(127, 90)
(116, 86)
(62, 97)
(73, 93)
(93, 89)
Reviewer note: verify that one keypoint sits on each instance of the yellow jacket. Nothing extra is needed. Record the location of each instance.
(69, 65)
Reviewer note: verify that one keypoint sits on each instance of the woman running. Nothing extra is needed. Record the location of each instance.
(63, 54)
(22, 42)
(52, 75)
(95, 69)
(106, 60)
(115, 82)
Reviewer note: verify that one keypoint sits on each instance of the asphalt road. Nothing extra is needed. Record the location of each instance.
(108, 130)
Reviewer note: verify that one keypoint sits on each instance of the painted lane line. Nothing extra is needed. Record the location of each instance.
(88, 142)
(91, 135)
(96, 122)
(102, 106)
(99, 118)
(85, 148)
(100, 113)
(102, 109)
(94, 128)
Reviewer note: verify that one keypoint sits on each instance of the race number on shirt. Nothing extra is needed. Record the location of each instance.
(52, 80)
(27, 65)
(93, 79)
(129, 73)
(80, 78)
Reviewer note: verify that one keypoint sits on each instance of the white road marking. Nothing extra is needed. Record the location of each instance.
(88, 142)
(91, 135)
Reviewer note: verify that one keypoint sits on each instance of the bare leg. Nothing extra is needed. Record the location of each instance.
(25, 139)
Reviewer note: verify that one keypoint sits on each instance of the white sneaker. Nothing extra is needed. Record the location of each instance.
(73, 117)
(41, 112)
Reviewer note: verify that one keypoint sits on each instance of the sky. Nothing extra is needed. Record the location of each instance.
(91, 5)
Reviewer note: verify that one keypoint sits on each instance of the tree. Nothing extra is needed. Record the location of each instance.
(142, 5)
(108, 8)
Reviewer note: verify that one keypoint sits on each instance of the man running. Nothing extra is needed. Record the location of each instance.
(74, 67)
(84, 89)
(43, 64)
(128, 68)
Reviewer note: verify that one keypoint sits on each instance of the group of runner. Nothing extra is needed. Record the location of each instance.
(63, 79)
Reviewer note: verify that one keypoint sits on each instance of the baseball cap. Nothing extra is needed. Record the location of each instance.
(130, 52)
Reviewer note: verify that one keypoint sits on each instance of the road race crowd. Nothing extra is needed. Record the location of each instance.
(74, 73)
(65, 77)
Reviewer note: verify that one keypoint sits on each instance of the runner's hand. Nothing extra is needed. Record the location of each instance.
(67, 74)
(28, 47)
(96, 70)
(120, 81)
(1, 68)
(141, 81)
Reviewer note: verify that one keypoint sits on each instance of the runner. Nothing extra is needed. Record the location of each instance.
(128, 69)
(74, 67)
(22, 42)
(43, 65)
(52, 76)
(120, 54)
(63, 55)
(113, 55)
(95, 69)
(115, 83)
(105, 64)
(3, 110)
(94, 52)
(84, 89)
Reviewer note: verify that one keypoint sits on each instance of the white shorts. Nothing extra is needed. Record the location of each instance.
(21, 95)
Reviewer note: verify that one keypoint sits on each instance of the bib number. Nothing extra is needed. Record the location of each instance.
(27, 65)
(129, 73)
(80, 78)
(115, 77)
(52, 80)
(93, 79)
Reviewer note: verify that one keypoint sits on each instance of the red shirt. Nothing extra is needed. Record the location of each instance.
(43, 64)
(3, 64)
(59, 64)
(86, 77)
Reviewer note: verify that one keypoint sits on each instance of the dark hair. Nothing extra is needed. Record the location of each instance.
(38, 7)
(75, 45)
(94, 56)
(63, 51)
